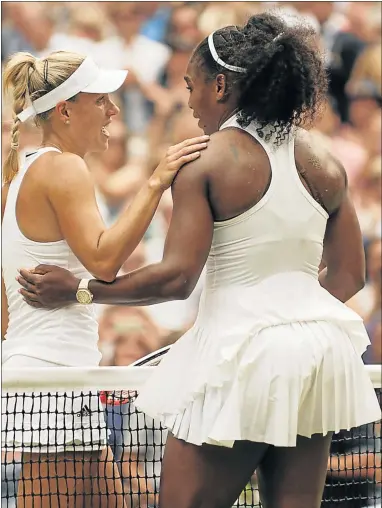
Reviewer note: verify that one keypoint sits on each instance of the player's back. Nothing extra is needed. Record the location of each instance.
(269, 216)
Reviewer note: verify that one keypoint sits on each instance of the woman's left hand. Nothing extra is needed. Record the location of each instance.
(48, 286)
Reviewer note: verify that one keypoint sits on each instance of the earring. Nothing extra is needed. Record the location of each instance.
(67, 122)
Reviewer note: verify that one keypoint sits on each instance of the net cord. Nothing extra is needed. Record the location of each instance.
(99, 378)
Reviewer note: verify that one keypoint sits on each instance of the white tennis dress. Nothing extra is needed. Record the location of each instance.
(272, 354)
(46, 338)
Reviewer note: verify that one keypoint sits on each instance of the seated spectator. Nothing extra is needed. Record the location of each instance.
(132, 333)
(82, 26)
(364, 91)
(342, 47)
(169, 96)
(86, 28)
(156, 26)
(28, 27)
(218, 14)
(107, 331)
(129, 49)
(364, 20)
(364, 107)
(368, 67)
(118, 176)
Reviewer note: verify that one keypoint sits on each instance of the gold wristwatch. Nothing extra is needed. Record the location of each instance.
(83, 295)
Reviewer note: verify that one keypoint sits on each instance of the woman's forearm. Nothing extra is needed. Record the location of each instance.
(118, 242)
(152, 284)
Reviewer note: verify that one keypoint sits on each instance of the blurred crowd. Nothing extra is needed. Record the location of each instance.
(154, 41)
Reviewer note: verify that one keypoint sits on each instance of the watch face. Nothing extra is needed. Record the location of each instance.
(84, 296)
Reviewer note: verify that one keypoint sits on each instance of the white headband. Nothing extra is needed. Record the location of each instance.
(218, 60)
(88, 78)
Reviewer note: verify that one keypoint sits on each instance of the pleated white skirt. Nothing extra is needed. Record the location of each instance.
(234, 376)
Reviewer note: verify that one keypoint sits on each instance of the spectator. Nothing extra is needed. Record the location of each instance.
(137, 340)
(218, 14)
(132, 333)
(28, 27)
(169, 96)
(346, 147)
(108, 333)
(156, 27)
(84, 30)
(368, 68)
(117, 175)
(342, 48)
(129, 49)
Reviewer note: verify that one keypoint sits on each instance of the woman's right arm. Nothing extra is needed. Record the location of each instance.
(343, 253)
(71, 193)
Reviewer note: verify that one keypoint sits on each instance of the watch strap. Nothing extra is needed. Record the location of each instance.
(84, 284)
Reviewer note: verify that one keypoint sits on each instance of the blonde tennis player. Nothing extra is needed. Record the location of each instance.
(273, 363)
(51, 216)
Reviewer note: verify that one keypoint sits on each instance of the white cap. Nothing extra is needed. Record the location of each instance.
(88, 78)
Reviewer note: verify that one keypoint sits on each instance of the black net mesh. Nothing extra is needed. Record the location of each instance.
(53, 447)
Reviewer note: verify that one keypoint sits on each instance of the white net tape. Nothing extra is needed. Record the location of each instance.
(100, 378)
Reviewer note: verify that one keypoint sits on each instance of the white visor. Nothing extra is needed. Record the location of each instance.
(88, 78)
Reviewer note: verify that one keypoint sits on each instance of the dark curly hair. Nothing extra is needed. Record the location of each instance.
(285, 79)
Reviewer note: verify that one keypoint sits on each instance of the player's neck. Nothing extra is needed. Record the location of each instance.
(229, 112)
(62, 144)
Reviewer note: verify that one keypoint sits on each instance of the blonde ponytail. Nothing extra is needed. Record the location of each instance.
(30, 76)
(16, 76)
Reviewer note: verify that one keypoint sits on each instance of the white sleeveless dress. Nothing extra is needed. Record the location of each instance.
(46, 338)
(272, 354)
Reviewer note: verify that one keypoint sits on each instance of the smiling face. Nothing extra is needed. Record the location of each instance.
(84, 121)
(208, 99)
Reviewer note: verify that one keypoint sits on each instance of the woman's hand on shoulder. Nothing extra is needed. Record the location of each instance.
(176, 157)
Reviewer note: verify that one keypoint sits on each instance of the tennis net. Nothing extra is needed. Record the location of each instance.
(56, 423)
